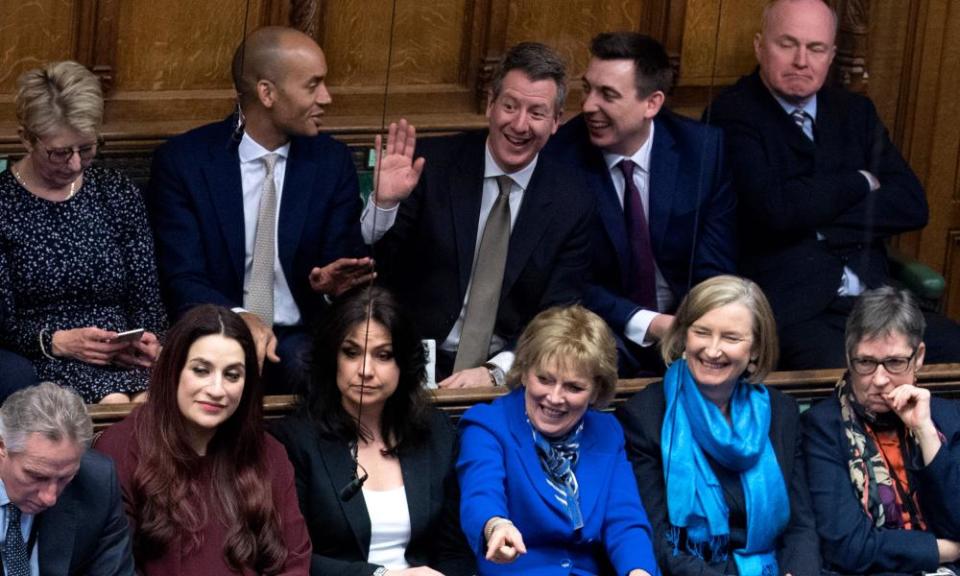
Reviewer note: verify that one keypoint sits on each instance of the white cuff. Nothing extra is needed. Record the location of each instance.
(503, 360)
(637, 325)
(871, 179)
(385, 217)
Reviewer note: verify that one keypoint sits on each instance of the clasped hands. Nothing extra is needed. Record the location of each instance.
(95, 345)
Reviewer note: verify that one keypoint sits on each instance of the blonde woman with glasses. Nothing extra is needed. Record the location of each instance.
(76, 256)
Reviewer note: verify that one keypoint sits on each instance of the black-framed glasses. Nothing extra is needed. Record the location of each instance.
(893, 364)
(87, 152)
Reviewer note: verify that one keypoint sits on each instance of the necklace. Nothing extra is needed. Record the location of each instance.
(19, 178)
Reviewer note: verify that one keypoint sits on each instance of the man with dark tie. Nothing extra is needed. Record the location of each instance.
(260, 212)
(820, 187)
(491, 232)
(667, 213)
(60, 505)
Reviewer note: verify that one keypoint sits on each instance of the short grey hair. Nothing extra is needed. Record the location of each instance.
(537, 62)
(47, 409)
(884, 311)
(59, 95)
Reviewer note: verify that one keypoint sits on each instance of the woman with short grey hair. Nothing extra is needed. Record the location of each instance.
(883, 455)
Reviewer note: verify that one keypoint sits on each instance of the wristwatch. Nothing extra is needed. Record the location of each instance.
(380, 571)
(497, 377)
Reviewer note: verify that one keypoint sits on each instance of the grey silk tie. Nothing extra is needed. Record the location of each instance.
(15, 557)
(258, 293)
(484, 297)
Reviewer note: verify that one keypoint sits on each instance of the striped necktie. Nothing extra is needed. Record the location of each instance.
(800, 117)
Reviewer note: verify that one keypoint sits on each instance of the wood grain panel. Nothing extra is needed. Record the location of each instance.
(179, 44)
(427, 42)
(33, 33)
(718, 41)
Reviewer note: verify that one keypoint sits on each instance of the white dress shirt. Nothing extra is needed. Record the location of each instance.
(252, 174)
(386, 217)
(639, 322)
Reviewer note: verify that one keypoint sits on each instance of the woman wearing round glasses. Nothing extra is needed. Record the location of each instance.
(76, 254)
(883, 456)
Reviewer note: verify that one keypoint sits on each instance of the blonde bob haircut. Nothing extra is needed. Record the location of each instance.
(57, 96)
(720, 291)
(573, 339)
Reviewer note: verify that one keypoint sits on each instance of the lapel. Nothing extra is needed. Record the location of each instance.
(340, 471)
(298, 185)
(465, 186)
(222, 176)
(418, 474)
(532, 222)
(593, 463)
(58, 527)
(664, 163)
(611, 213)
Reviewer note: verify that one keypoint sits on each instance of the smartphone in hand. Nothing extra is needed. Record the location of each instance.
(129, 335)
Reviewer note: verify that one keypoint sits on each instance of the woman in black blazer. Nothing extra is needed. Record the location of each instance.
(365, 432)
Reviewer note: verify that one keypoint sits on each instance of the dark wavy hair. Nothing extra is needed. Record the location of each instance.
(404, 416)
(168, 485)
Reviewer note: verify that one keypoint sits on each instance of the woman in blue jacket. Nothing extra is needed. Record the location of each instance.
(546, 486)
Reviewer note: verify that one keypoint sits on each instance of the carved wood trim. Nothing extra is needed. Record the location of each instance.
(305, 16)
(853, 39)
(494, 32)
(96, 39)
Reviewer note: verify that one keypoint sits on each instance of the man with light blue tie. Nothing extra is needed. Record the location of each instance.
(820, 188)
(60, 506)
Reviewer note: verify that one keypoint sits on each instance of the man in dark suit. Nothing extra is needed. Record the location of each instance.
(473, 285)
(271, 248)
(820, 185)
(672, 224)
(61, 508)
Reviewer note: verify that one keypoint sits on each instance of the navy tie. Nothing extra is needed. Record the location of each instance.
(641, 281)
(15, 558)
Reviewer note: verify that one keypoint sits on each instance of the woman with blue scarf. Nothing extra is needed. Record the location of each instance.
(546, 488)
(716, 454)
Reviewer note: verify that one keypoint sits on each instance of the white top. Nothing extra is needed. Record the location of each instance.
(389, 527)
(252, 174)
(637, 325)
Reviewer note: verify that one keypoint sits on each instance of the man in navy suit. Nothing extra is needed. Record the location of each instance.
(439, 219)
(820, 186)
(60, 505)
(667, 226)
(207, 196)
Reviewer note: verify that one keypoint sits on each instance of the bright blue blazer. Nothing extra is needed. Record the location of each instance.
(500, 475)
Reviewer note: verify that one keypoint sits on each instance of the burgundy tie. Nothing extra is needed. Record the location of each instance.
(641, 282)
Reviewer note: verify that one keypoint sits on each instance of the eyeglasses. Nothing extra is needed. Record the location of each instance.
(63, 155)
(893, 364)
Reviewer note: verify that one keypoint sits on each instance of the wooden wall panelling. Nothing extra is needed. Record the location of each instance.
(96, 34)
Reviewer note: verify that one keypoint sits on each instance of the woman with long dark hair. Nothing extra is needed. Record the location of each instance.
(374, 463)
(206, 490)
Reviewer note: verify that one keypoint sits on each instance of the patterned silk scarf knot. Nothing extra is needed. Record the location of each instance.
(258, 292)
(558, 459)
(15, 557)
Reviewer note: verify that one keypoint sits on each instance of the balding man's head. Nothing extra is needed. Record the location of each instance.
(795, 47)
(279, 74)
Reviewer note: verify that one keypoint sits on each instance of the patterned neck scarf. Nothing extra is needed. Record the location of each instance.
(882, 496)
(558, 457)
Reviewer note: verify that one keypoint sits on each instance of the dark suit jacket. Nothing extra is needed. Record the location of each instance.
(851, 543)
(340, 531)
(797, 550)
(791, 188)
(195, 200)
(691, 216)
(427, 256)
(86, 531)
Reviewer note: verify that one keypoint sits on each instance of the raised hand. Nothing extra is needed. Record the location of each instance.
(341, 275)
(397, 173)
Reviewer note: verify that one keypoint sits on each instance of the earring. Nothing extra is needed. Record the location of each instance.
(752, 366)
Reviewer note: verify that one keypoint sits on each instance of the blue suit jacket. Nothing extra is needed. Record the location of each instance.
(427, 256)
(195, 200)
(692, 211)
(850, 541)
(500, 475)
(86, 531)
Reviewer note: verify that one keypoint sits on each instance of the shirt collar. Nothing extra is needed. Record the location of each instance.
(521, 177)
(641, 157)
(4, 499)
(810, 106)
(250, 151)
